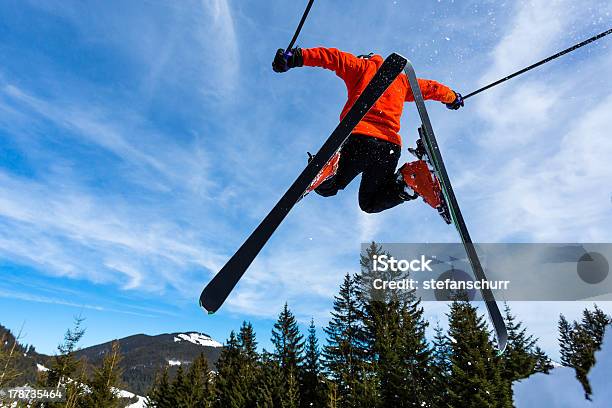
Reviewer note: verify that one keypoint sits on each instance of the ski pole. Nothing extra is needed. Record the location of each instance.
(299, 28)
(537, 64)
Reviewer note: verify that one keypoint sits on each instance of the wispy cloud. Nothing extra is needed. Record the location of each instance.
(221, 55)
(546, 138)
(79, 234)
(56, 301)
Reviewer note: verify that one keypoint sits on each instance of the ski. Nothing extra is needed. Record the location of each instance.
(219, 288)
(449, 201)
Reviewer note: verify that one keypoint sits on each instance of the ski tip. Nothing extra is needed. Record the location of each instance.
(206, 310)
(397, 59)
(501, 348)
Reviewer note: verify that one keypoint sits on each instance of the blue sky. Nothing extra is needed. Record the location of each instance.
(141, 142)
(561, 390)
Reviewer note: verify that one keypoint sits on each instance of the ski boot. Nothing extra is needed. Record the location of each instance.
(328, 171)
(406, 192)
(419, 177)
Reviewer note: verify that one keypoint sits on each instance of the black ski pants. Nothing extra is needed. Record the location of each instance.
(377, 160)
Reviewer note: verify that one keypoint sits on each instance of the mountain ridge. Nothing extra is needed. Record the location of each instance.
(143, 355)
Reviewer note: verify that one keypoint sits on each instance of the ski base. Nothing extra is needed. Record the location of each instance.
(430, 147)
(219, 288)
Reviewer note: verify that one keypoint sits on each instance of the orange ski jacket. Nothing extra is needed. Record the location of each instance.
(383, 120)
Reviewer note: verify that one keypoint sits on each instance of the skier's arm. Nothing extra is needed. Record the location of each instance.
(344, 64)
(433, 90)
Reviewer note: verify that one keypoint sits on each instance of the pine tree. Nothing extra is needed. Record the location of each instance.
(65, 370)
(385, 344)
(396, 351)
(180, 391)
(583, 358)
(289, 354)
(106, 381)
(230, 387)
(288, 342)
(269, 382)
(248, 343)
(565, 341)
(291, 397)
(522, 357)
(193, 389)
(475, 370)
(440, 366)
(160, 395)
(415, 356)
(543, 362)
(332, 400)
(518, 358)
(311, 383)
(403, 364)
(344, 353)
(249, 360)
(367, 389)
(64, 364)
(8, 353)
(580, 341)
(594, 323)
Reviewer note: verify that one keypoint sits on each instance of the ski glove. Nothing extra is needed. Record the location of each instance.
(457, 103)
(283, 61)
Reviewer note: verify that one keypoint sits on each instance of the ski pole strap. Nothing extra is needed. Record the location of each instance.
(537, 64)
(299, 27)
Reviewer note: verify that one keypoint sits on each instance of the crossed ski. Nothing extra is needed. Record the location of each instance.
(219, 288)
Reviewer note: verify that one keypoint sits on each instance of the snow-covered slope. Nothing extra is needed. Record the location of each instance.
(126, 394)
(197, 338)
(140, 403)
(560, 389)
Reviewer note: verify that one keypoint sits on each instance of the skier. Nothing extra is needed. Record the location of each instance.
(374, 147)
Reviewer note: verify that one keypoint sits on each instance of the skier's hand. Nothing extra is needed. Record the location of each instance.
(457, 103)
(283, 61)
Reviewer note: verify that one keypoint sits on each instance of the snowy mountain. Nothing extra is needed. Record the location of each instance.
(560, 389)
(144, 355)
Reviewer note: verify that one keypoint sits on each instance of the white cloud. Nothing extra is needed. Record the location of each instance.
(546, 141)
(123, 135)
(221, 55)
(536, 26)
(368, 226)
(74, 233)
(57, 301)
